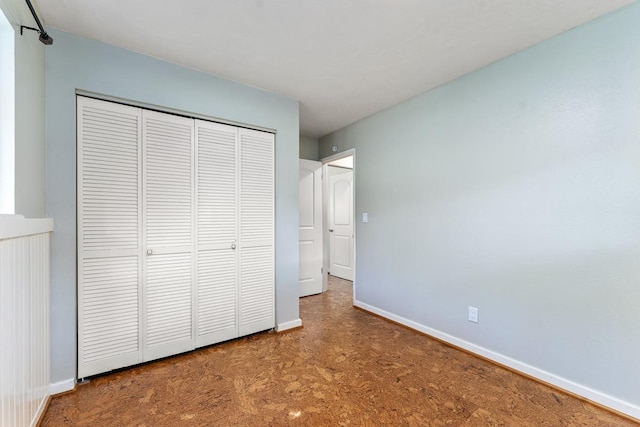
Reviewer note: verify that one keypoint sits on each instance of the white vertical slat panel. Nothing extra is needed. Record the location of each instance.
(109, 250)
(216, 192)
(7, 312)
(257, 304)
(22, 268)
(39, 342)
(169, 234)
(24, 336)
(10, 315)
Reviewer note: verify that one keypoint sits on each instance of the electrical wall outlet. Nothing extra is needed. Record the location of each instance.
(473, 314)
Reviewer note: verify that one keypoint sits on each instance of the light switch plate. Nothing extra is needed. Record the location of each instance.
(365, 217)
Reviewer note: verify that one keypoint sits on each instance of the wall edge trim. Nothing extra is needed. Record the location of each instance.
(62, 386)
(289, 325)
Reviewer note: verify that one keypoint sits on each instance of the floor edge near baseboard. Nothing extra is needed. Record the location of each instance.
(633, 413)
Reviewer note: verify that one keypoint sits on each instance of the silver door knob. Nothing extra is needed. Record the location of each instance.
(149, 251)
(233, 246)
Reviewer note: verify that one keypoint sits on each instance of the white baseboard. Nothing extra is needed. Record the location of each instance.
(62, 386)
(42, 407)
(562, 383)
(289, 325)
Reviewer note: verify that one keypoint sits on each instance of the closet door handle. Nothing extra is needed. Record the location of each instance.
(149, 251)
(233, 246)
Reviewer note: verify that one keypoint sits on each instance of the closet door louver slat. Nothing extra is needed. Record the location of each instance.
(168, 234)
(256, 231)
(217, 297)
(108, 236)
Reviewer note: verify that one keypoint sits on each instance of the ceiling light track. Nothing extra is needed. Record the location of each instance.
(44, 37)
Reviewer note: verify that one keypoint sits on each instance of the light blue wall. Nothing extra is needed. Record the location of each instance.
(77, 63)
(308, 148)
(29, 113)
(515, 189)
(30, 125)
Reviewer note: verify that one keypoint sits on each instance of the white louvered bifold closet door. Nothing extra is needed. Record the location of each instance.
(216, 189)
(168, 234)
(256, 231)
(175, 234)
(109, 236)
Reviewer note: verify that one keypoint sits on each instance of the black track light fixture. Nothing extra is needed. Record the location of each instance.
(44, 37)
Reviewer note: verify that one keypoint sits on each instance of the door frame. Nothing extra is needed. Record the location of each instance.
(325, 217)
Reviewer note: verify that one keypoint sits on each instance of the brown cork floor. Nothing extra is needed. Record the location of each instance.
(344, 368)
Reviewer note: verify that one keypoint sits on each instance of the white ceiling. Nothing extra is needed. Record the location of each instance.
(342, 59)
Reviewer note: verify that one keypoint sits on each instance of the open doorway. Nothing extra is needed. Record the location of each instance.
(326, 222)
(339, 217)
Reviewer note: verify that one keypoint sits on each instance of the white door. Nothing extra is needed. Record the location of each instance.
(109, 236)
(256, 299)
(310, 227)
(217, 266)
(168, 234)
(175, 234)
(341, 251)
